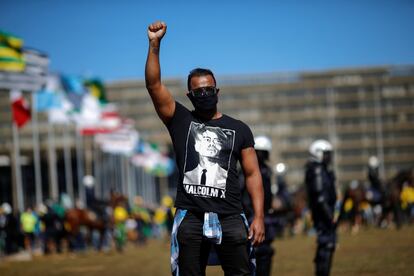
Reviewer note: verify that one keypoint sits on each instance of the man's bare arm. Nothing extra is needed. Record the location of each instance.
(161, 97)
(254, 186)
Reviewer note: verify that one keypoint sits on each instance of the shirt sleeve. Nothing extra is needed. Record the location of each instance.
(248, 140)
(179, 113)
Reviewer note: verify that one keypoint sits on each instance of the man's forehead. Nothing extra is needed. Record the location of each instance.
(202, 81)
(210, 134)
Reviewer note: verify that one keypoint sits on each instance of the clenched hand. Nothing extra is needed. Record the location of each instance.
(156, 31)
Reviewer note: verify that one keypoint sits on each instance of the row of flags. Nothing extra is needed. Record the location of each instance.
(69, 99)
(90, 114)
(94, 116)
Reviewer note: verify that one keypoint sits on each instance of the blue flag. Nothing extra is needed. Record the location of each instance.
(75, 90)
(73, 84)
(46, 100)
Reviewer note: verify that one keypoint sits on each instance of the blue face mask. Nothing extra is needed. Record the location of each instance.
(204, 99)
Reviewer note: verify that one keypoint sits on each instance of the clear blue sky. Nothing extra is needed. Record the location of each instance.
(108, 38)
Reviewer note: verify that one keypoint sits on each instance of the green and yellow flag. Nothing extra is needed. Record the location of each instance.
(97, 89)
(11, 57)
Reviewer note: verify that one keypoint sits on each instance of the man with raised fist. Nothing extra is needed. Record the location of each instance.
(209, 211)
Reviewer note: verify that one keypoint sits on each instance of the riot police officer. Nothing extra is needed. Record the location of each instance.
(375, 192)
(263, 252)
(320, 184)
(376, 189)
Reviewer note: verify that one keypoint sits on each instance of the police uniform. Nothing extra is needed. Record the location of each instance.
(264, 251)
(320, 184)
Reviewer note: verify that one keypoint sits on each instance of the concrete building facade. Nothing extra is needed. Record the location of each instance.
(361, 111)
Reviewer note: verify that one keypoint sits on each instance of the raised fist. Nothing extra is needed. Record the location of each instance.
(157, 30)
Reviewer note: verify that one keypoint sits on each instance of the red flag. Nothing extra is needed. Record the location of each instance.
(108, 123)
(20, 108)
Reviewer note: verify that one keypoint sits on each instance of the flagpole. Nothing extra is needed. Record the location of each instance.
(138, 180)
(18, 197)
(104, 175)
(79, 167)
(133, 179)
(121, 173)
(53, 186)
(141, 182)
(118, 175)
(115, 170)
(152, 187)
(122, 170)
(96, 169)
(111, 174)
(36, 152)
(128, 179)
(68, 161)
(107, 175)
(144, 186)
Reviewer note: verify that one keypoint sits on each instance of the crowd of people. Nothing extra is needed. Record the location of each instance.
(373, 202)
(56, 227)
(49, 226)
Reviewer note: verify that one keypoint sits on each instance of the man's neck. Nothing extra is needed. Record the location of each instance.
(214, 114)
(206, 163)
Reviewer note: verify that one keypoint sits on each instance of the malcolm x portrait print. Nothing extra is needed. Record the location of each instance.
(208, 155)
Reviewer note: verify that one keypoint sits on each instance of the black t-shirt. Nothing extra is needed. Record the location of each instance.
(207, 153)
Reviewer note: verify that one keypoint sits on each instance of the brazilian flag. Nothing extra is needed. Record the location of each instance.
(97, 89)
(11, 58)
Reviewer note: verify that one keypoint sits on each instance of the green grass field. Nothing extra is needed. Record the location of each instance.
(370, 252)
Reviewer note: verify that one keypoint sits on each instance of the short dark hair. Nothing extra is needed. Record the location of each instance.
(198, 72)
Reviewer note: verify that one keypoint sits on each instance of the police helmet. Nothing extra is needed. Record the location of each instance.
(7, 209)
(88, 181)
(262, 143)
(280, 168)
(373, 162)
(317, 149)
